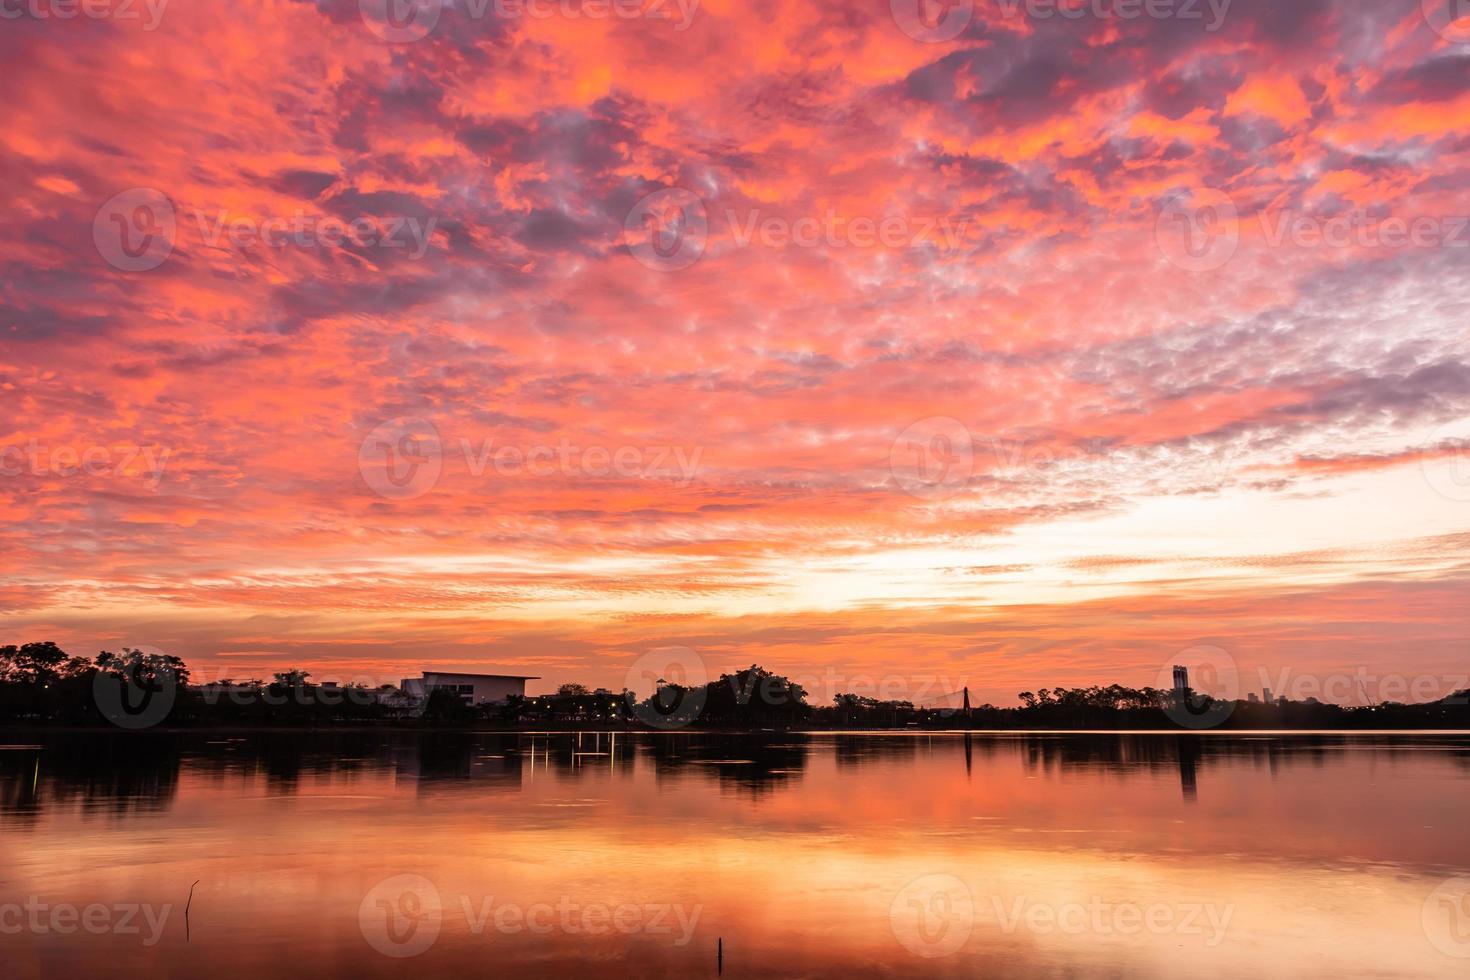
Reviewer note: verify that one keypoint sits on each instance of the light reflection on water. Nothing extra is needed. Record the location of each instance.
(808, 855)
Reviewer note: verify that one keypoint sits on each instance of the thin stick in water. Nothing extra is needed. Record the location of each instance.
(186, 909)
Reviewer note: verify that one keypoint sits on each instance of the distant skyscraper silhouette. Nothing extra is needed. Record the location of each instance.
(1181, 679)
(1266, 695)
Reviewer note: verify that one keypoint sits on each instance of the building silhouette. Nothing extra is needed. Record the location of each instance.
(472, 689)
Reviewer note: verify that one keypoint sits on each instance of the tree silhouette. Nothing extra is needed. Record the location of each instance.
(151, 671)
(35, 663)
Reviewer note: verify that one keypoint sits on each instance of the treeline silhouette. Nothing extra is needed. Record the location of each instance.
(41, 684)
(1119, 707)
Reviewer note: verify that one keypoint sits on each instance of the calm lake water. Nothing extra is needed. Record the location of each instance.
(385, 853)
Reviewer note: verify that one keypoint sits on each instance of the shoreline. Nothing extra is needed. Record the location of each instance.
(236, 730)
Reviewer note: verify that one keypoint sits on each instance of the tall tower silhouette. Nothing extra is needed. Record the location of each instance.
(1181, 679)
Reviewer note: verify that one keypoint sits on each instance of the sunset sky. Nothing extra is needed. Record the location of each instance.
(980, 347)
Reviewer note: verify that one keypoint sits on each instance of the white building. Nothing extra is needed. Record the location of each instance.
(472, 688)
